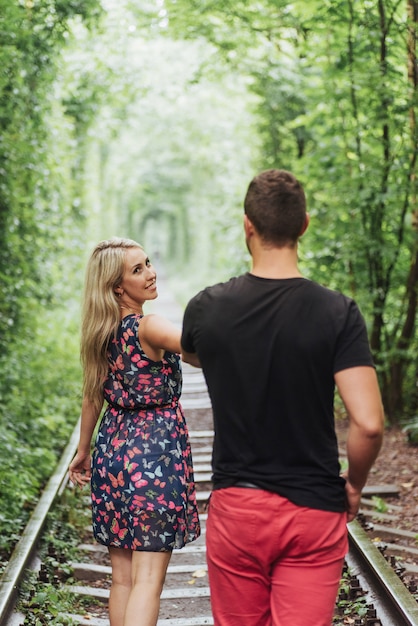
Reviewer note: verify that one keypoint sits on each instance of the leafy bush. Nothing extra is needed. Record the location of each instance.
(411, 430)
(40, 406)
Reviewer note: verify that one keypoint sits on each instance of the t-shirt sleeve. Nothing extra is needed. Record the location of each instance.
(187, 338)
(353, 349)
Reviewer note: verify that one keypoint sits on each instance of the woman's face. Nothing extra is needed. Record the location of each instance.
(139, 279)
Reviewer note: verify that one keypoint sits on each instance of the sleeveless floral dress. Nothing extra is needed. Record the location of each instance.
(142, 487)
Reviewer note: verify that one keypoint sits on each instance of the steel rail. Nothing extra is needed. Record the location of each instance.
(394, 603)
(25, 548)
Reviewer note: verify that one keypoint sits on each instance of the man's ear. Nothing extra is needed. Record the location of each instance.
(305, 225)
(248, 227)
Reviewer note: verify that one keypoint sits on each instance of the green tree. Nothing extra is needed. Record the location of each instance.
(33, 33)
(336, 106)
(369, 153)
(36, 213)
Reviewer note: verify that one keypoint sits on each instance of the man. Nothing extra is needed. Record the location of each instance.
(273, 346)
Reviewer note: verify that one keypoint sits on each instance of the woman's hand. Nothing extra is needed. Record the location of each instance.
(80, 469)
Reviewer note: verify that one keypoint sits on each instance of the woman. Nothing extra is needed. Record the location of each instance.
(142, 489)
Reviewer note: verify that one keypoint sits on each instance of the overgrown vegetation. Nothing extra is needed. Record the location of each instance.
(43, 599)
(351, 602)
(40, 238)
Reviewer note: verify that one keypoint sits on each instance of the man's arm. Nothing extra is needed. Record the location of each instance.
(190, 357)
(359, 390)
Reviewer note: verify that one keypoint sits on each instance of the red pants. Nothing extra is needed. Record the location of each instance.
(270, 562)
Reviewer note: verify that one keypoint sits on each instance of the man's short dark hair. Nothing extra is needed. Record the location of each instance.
(275, 204)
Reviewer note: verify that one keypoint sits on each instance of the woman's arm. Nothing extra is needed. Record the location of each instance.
(80, 467)
(157, 334)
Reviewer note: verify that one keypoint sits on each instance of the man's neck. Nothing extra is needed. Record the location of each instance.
(275, 263)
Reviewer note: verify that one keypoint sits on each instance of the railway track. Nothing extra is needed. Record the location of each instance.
(377, 588)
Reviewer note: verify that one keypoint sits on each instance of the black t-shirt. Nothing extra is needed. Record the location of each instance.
(269, 349)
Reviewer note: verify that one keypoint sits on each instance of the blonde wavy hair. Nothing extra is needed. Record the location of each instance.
(100, 316)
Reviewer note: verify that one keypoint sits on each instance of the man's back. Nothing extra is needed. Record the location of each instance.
(269, 349)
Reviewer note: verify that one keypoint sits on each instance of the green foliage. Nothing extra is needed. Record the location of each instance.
(171, 148)
(334, 104)
(37, 407)
(348, 609)
(58, 549)
(411, 430)
(48, 604)
(43, 406)
(379, 504)
(363, 136)
(32, 34)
